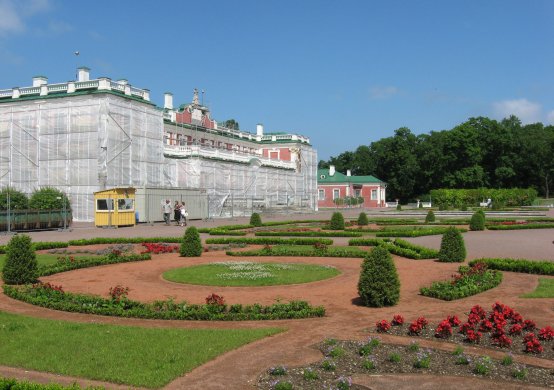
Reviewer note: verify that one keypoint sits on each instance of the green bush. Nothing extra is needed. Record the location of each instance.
(379, 284)
(453, 248)
(191, 245)
(337, 221)
(500, 197)
(349, 233)
(255, 220)
(18, 200)
(362, 219)
(269, 241)
(430, 217)
(398, 206)
(46, 198)
(522, 226)
(477, 221)
(21, 261)
(418, 232)
(545, 267)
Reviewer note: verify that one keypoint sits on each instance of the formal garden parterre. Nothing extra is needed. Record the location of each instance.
(325, 254)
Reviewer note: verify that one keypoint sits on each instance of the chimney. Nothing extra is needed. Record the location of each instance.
(83, 73)
(348, 172)
(39, 80)
(168, 100)
(331, 170)
(260, 129)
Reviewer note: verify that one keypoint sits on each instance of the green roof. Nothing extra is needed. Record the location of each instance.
(323, 177)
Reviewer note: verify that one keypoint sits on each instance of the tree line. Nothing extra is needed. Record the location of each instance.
(480, 152)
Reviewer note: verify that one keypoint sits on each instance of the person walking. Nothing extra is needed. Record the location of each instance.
(184, 214)
(166, 209)
(176, 212)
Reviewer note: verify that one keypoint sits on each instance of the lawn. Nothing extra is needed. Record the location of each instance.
(42, 259)
(545, 289)
(244, 273)
(133, 356)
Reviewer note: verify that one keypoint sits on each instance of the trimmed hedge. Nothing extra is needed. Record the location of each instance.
(85, 262)
(255, 220)
(522, 226)
(379, 284)
(362, 219)
(191, 245)
(416, 232)
(543, 267)
(430, 217)
(477, 222)
(123, 240)
(270, 241)
(40, 245)
(225, 232)
(397, 247)
(14, 384)
(21, 261)
(304, 251)
(337, 221)
(423, 252)
(453, 249)
(311, 234)
(163, 310)
(507, 197)
(367, 241)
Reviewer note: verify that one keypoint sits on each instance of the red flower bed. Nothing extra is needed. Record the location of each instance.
(546, 333)
(214, 299)
(157, 248)
(383, 326)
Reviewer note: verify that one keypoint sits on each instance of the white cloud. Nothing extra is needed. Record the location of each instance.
(526, 111)
(385, 92)
(13, 14)
(550, 117)
(10, 21)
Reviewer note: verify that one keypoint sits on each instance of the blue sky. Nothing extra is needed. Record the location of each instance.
(342, 73)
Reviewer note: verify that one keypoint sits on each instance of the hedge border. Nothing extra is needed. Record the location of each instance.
(536, 267)
(269, 241)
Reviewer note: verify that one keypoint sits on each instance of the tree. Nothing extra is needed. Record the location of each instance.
(430, 217)
(362, 219)
(379, 284)
(18, 200)
(21, 261)
(191, 245)
(477, 221)
(255, 219)
(48, 198)
(453, 248)
(232, 124)
(337, 221)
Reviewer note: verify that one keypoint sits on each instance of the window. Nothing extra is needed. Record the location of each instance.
(104, 204)
(373, 194)
(321, 194)
(336, 193)
(125, 204)
(357, 193)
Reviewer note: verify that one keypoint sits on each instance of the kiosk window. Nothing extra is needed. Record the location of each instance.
(104, 204)
(125, 204)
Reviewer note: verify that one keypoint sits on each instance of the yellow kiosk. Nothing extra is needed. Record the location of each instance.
(114, 207)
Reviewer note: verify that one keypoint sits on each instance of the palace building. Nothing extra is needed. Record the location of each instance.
(87, 135)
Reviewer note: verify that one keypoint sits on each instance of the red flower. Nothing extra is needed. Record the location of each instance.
(502, 340)
(486, 326)
(532, 344)
(397, 319)
(473, 336)
(516, 329)
(454, 320)
(479, 311)
(444, 329)
(546, 333)
(415, 328)
(214, 299)
(382, 326)
(422, 321)
(529, 325)
(466, 327)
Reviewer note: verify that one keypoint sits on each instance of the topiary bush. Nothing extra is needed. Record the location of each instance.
(379, 284)
(18, 200)
(255, 219)
(477, 221)
(337, 221)
(191, 245)
(430, 217)
(46, 198)
(21, 261)
(362, 219)
(398, 206)
(453, 249)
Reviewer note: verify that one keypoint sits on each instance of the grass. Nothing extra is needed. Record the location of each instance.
(133, 356)
(243, 273)
(545, 289)
(42, 259)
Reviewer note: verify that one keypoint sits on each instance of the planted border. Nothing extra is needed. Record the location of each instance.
(40, 245)
(470, 281)
(52, 298)
(270, 241)
(305, 251)
(123, 240)
(521, 226)
(543, 267)
(416, 232)
(310, 234)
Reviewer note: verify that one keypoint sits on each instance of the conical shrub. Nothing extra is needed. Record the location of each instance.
(477, 221)
(453, 249)
(191, 245)
(21, 261)
(379, 284)
(255, 219)
(430, 217)
(337, 221)
(362, 219)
